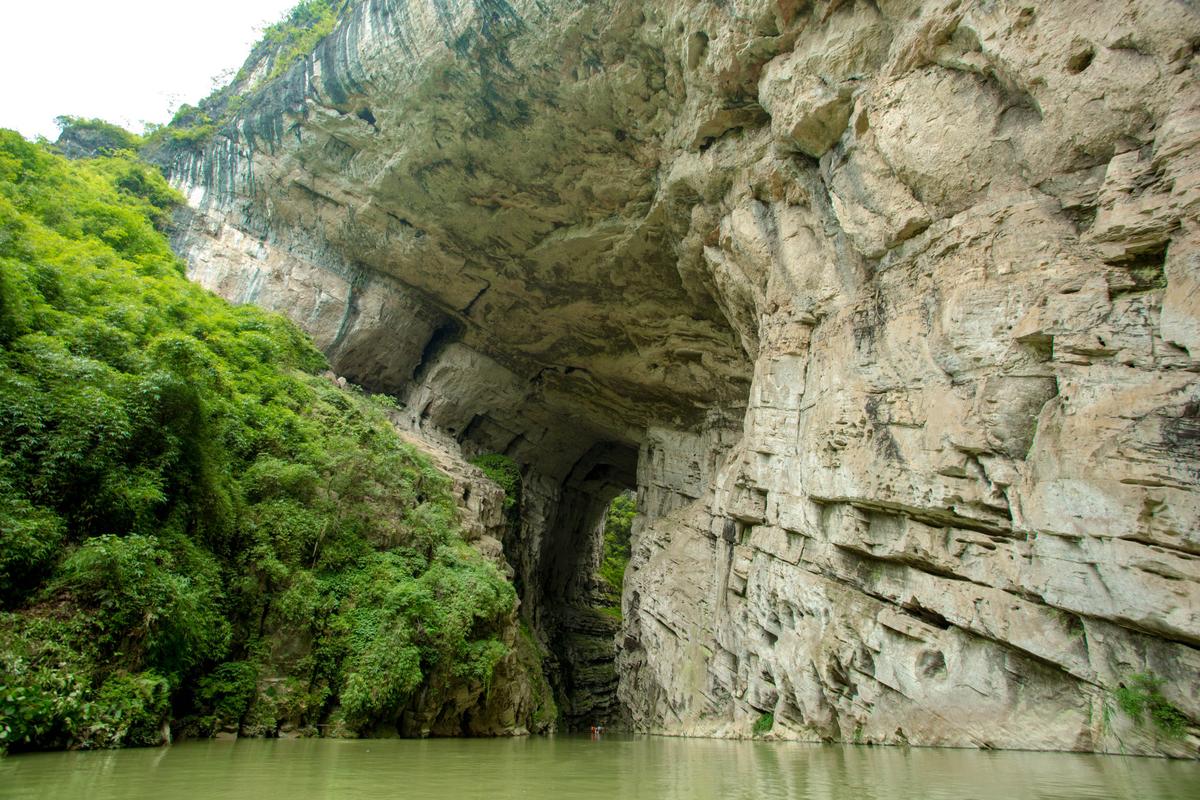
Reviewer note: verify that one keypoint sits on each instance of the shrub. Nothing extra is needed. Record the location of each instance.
(505, 472)
(153, 608)
(53, 695)
(90, 137)
(226, 694)
(1140, 694)
(764, 724)
(29, 540)
(128, 710)
(39, 706)
(406, 624)
(189, 129)
(295, 36)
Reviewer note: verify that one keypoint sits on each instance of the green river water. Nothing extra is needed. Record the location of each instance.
(567, 767)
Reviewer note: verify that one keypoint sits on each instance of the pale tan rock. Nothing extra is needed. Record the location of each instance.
(806, 111)
(889, 310)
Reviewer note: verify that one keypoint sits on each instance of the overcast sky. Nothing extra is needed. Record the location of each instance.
(127, 61)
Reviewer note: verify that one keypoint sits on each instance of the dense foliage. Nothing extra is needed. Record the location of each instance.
(295, 36)
(190, 128)
(194, 526)
(505, 472)
(91, 136)
(618, 525)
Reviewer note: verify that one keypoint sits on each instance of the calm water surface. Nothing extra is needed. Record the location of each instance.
(570, 767)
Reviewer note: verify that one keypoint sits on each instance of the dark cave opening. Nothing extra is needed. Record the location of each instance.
(575, 608)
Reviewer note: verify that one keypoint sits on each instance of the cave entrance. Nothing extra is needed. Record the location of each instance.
(580, 607)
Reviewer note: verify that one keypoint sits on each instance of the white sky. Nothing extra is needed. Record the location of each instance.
(126, 61)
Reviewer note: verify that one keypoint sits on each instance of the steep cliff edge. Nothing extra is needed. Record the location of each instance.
(888, 309)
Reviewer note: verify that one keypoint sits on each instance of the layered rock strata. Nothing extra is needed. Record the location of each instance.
(889, 309)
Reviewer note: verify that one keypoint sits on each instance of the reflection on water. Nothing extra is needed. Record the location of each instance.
(576, 767)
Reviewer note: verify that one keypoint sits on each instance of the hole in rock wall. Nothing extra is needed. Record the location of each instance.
(697, 47)
(1081, 59)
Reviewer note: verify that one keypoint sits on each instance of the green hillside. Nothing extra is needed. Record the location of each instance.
(195, 527)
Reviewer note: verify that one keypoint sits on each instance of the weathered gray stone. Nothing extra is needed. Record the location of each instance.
(894, 305)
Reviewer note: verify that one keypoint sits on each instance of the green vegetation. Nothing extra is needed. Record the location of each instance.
(763, 724)
(194, 526)
(96, 135)
(295, 36)
(1141, 694)
(531, 655)
(618, 526)
(81, 138)
(190, 128)
(505, 472)
(282, 45)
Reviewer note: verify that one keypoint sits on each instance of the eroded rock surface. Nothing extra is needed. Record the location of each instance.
(890, 309)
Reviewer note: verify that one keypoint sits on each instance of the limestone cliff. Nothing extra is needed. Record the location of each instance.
(889, 309)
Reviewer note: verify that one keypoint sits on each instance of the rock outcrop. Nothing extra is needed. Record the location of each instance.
(890, 310)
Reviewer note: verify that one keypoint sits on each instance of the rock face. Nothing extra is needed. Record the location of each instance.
(890, 310)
